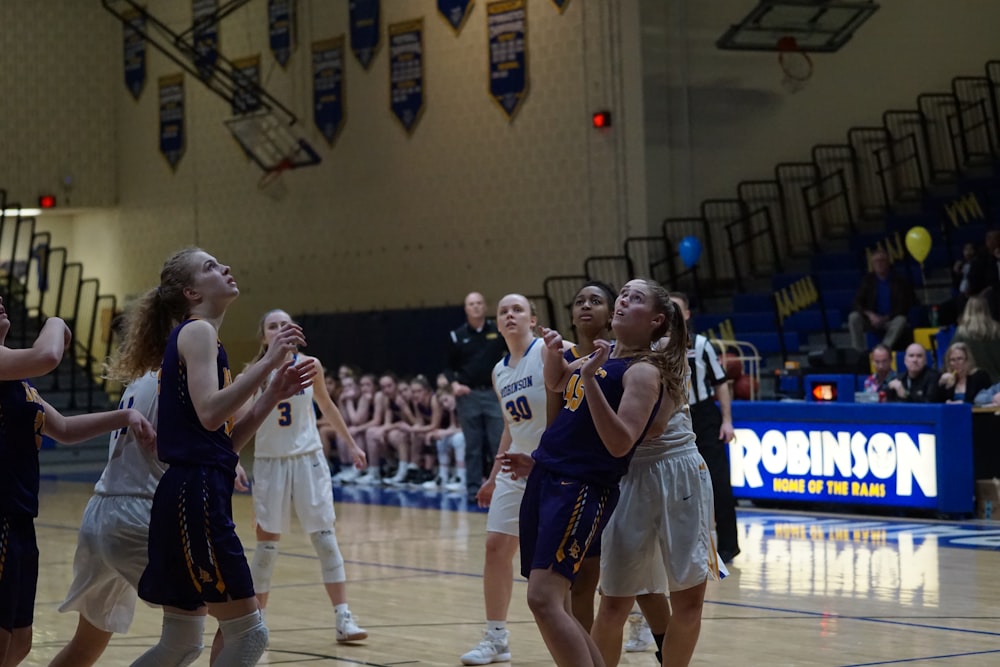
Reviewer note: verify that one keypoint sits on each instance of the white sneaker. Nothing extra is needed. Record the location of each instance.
(348, 630)
(346, 476)
(368, 479)
(493, 648)
(456, 484)
(640, 637)
(432, 485)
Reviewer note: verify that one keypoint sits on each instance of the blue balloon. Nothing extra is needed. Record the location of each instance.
(690, 251)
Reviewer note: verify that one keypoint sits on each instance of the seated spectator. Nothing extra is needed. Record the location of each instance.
(989, 397)
(984, 274)
(446, 435)
(882, 362)
(977, 329)
(882, 304)
(963, 381)
(919, 384)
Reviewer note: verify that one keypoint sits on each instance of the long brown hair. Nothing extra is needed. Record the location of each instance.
(976, 320)
(149, 321)
(670, 359)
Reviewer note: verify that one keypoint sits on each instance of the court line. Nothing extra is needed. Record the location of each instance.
(929, 657)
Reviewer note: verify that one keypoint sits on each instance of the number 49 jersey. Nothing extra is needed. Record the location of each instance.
(521, 390)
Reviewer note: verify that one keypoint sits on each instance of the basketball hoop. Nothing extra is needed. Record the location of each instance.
(271, 183)
(795, 64)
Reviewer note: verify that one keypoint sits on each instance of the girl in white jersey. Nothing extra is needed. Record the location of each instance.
(520, 387)
(290, 469)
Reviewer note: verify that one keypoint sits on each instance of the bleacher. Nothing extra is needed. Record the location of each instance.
(816, 223)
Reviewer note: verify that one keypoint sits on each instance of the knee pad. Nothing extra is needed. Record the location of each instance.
(180, 642)
(244, 641)
(262, 565)
(331, 562)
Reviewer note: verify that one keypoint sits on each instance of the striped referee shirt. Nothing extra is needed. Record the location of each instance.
(706, 371)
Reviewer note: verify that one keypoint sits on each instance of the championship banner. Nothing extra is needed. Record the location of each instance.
(561, 5)
(172, 118)
(134, 29)
(406, 72)
(455, 12)
(246, 76)
(365, 31)
(507, 24)
(281, 29)
(328, 87)
(205, 29)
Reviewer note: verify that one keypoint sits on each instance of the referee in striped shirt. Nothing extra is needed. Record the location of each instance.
(713, 427)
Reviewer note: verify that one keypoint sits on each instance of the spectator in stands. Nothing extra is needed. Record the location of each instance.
(354, 407)
(978, 330)
(394, 432)
(989, 397)
(984, 274)
(963, 381)
(422, 452)
(919, 384)
(446, 436)
(882, 304)
(882, 363)
(475, 347)
(949, 310)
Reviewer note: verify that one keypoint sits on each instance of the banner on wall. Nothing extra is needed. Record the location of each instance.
(406, 72)
(455, 12)
(561, 5)
(281, 29)
(328, 87)
(507, 27)
(246, 77)
(134, 28)
(205, 29)
(172, 118)
(364, 20)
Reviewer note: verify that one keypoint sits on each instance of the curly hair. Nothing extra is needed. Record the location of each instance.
(670, 359)
(149, 321)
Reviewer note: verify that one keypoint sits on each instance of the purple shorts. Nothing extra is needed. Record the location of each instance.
(194, 554)
(561, 517)
(18, 571)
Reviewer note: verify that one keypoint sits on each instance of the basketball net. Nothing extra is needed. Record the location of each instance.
(796, 65)
(271, 183)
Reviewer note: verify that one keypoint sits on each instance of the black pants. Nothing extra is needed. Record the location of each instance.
(707, 420)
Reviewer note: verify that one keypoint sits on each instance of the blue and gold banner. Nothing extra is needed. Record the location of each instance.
(206, 35)
(328, 87)
(455, 12)
(365, 22)
(135, 52)
(246, 76)
(507, 25)
(406, 72)
(281, 29)
(172, 118)
(561, 5)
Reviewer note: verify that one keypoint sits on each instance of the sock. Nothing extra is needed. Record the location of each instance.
(496, 627)
(659, 648)
(340, 608)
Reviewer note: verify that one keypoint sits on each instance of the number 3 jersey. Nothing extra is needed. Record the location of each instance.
(521, 390)
(290, 429)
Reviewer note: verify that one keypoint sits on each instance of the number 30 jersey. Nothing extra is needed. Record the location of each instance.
(290, 429)
(521, 391)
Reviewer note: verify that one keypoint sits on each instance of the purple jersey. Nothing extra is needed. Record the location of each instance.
(22, 418)
(571, 446)
(180, 437)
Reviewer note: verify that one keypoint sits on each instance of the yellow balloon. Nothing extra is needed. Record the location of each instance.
(918, 242)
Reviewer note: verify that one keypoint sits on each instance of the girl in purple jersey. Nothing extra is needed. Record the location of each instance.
(196, 561)
(610, 399)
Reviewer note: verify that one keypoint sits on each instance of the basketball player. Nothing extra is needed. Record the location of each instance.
(196, 561)
(519, 382)
(290, 470)
(610, 401)
(24, 418)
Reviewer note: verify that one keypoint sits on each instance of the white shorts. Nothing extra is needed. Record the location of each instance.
(659, 537)
(302, 480)
(505, 508)
(111, 553)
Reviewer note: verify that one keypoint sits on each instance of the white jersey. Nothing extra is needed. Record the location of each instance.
(521, 390)
(132, 469)
(290, 429)
(678, 433)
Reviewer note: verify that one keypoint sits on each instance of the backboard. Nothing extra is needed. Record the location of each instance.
(270, 143)
(816, 25)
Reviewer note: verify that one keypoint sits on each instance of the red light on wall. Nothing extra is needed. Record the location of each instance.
(825, 392)
(601, 119)
(47, 201)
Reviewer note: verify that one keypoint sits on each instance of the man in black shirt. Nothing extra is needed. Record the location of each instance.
(475, 348)
(919, 384)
